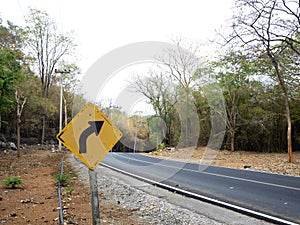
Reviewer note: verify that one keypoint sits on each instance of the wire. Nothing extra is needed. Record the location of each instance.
(61, 217)
(22, 11)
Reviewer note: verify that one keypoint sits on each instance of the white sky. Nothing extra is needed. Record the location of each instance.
(102, 26)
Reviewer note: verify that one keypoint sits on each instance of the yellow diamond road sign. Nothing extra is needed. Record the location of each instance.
(89, 135)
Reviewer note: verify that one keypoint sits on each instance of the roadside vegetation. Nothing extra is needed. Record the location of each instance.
(257, 69)
(12, 182)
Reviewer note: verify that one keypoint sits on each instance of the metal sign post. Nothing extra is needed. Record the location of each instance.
(90, 136)
(94, 197)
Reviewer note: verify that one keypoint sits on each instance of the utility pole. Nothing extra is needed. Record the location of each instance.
(109, 112)
(61, 96)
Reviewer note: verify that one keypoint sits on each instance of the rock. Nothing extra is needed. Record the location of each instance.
(2, 145)
(26, 200)
(50, 197)
(12, 145)
(1, 198)
(31, 200)
(8, 145)
(171, 149)
(13, 214)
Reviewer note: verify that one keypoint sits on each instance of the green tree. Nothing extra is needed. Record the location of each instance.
(233, 71)
(265, 29)
(10, 65)
(9, 74)
(203, 111)
(10, 39)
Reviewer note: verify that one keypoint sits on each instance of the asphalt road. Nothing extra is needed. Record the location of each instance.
(271, 194)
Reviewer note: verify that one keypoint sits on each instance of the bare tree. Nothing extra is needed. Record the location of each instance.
(161, 95)
(181, 64)
(20, 101)
(47, 47)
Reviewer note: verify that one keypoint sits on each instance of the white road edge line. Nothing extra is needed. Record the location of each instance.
(212, 200)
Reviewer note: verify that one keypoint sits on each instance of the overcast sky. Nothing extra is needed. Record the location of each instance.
(102, 26)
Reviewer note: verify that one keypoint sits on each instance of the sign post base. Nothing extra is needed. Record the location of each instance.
(94, 197)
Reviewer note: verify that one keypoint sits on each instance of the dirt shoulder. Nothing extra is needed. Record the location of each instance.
(267, 162)
(36, 201)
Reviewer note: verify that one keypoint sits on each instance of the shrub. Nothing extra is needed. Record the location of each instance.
(12, 182)
(69, 190)
(63, 179)
(161, 146)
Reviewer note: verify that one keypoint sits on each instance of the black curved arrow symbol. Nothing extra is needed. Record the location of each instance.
(59, 137)
(95, 127)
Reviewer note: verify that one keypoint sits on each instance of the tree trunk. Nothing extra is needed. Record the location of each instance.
(44, 109)
(232, 123)
(19, 136)
(19, 114)
(43, 127)
(289, 130)
(232, 139)
(44, 116)
(66, 112)
(287, 108)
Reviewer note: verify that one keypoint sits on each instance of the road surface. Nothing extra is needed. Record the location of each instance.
(273, 195)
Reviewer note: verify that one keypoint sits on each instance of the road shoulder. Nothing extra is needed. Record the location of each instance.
(152, 204)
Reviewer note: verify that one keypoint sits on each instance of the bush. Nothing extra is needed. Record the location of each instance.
(70, 190)
(161, 146)
(63, 179)
(12, 182)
